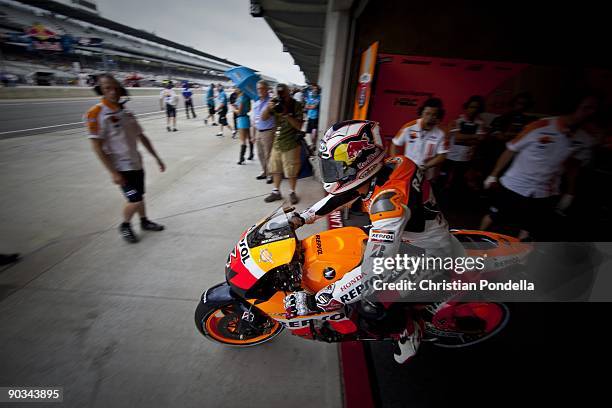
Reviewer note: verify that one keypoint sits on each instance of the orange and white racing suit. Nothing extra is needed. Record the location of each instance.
(401, 208)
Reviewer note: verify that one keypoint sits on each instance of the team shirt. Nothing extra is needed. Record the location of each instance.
(119, 130)
(541, 151)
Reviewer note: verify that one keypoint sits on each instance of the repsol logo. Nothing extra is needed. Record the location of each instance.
(353, 293)
(244, 250)
(383, 236)
(305, 323)
(319, 245)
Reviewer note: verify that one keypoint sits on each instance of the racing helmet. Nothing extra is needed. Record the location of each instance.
(350, 153)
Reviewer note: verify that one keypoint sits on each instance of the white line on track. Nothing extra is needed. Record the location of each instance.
(17, 102)
(68, 124)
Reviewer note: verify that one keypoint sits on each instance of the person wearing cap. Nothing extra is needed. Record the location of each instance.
(188, 98)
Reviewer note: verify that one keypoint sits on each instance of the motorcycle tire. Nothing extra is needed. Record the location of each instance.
(221, 326)
(463, 331)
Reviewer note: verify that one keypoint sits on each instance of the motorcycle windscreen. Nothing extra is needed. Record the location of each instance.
(264, 247)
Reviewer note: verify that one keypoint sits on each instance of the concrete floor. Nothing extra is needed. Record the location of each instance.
(113, 323)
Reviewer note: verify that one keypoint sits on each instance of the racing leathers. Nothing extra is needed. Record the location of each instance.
(402, 208)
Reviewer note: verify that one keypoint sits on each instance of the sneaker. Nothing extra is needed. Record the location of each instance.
(205, 122)
(407, 345)
(293, 198)
(214, 124)
(174, 130)
(220, 134)
(126, 232)
(168, 128)
(274, 196)
(270, 180)
(149, 225)
(260, 177)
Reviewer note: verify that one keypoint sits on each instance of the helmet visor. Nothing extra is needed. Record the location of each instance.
(332, 171)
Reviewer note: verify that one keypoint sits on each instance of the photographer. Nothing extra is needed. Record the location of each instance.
(285, 155)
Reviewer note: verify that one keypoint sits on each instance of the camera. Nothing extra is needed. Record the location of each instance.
(279, 106)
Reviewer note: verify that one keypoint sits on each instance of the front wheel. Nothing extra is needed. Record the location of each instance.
(465, 324)
(224, 325)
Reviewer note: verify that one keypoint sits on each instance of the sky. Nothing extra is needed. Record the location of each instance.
(223, 28)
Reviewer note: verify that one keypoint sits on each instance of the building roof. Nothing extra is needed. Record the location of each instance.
(299, 25)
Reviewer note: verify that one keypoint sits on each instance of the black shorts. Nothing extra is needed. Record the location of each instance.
(527, 213)
(222, 116)
(312, 125)
(170, 111)
(134, 187)
(211, 109)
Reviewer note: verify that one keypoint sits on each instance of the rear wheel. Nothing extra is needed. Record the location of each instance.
(225, 325)
(465, 324)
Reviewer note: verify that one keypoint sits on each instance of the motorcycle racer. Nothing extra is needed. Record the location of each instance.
(401, 207)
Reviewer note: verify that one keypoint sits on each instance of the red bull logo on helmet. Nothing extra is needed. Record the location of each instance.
(349, 151)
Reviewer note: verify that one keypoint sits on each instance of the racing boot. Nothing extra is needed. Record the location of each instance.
(407, 345)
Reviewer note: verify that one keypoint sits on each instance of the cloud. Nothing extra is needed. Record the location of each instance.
(221, 28)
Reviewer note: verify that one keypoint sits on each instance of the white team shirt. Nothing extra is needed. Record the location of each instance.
(421, 145)
(169, 96)
(119, 130)
(542, 149)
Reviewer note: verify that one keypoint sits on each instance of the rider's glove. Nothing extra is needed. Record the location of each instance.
(296, 220)
(489, 181)
(297, 304)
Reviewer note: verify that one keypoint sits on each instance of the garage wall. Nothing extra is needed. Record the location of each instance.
(560, 40)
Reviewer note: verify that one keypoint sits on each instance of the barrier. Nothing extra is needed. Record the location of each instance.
(39, 92)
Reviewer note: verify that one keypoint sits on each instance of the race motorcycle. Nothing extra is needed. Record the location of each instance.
(269, 262)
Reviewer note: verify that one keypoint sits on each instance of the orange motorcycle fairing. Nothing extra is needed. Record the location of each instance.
(329, 255)
(275, 308)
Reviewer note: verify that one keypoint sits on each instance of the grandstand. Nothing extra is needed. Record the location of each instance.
(69, 43)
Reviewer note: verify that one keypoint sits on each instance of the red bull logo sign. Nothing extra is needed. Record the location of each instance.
(40, 32)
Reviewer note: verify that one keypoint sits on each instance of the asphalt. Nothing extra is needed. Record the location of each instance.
(29, 117)
(113, 323)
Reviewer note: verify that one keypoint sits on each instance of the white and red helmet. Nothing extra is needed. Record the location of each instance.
(351, 152)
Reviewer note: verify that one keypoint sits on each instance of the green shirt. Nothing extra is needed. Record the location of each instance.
(287, 137)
